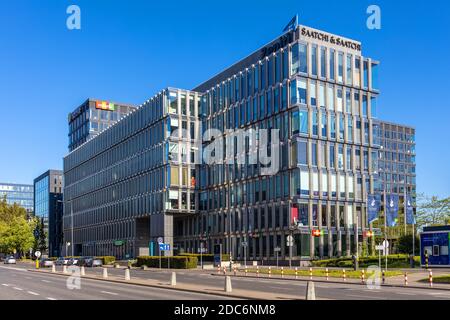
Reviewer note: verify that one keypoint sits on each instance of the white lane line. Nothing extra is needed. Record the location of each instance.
(111, 293)
(407, 293)
(46, 281)
(33, 293)
(49, 298)
(363, 297)
(5, 284)
(16, 288)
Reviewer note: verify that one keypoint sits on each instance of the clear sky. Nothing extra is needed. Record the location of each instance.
(126, 51)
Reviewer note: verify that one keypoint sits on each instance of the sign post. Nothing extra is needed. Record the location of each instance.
(277, 249)
(379, 248)
(37, 254)
(290, 243)
(244, 244)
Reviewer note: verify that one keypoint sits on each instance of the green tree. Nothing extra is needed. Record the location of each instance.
(17, 236)
(40, 241)
(404, 244)
(16, 231)
(432, 211)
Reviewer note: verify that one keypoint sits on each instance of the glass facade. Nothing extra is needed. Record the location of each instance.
(144, 177)
(21, 194)
(91, 118)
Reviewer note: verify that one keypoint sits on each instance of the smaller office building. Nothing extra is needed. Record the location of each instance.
(92, 117)
(435, 241)
(21, 194)
(48, 206)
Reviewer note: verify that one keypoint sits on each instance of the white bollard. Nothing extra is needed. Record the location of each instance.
(53, 268)
(64, 269)
(228, 284)
(173, 279)
(310, 291)
(105, 273)
(82, 271)
(127, 274)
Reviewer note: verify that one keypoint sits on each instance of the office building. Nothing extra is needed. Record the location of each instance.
(21, 194)
(48, 207)
(397, 171)
(92, 117)
(138, 180)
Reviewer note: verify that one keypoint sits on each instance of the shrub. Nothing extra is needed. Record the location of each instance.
(176, 262)
(107, 259)
(394, 261)
(206, 257)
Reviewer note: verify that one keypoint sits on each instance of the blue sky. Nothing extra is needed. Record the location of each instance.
(126, 51)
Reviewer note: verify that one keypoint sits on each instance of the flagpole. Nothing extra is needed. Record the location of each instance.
(385, 227)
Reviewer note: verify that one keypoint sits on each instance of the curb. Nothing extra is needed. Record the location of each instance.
(334, 282)
(153, 286)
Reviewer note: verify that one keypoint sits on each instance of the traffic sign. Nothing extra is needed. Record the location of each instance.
(164, 246)
(160, 240)
(244, 243)
(289, 238)
(277, 249)
(379, 247)
(37, 254)
(385, 244)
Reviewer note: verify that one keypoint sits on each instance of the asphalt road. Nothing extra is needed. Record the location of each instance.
(53, 286)
(16, 283)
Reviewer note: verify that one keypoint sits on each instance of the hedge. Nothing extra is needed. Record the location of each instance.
(207, 257)
(107, 259)
(176, 262)
(394, 261)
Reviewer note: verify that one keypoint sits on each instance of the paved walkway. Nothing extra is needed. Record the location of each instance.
(214, 290)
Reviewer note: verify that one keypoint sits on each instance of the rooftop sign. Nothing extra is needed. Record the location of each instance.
(104, 105)
(329, 38)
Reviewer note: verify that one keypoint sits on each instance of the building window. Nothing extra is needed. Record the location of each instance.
(304, 121)
(323, 62)
(314, 60)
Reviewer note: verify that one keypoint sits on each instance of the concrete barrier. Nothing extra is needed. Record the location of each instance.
(105, 273)
(127, 275)
(82, 271)
(53, 268)
(173, 279)
(64, 269)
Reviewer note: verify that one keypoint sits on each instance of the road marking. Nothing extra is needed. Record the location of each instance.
(20, 289)
(111, 293)
(16, 269)
(33, 293)
(362, 296)
(48, 298)
(46, 281)
(407, 293)
(4, 284)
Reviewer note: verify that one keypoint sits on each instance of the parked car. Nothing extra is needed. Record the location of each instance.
(61, 261)
(10, 260)
(73, 262)
(45, 263)
(91, 262)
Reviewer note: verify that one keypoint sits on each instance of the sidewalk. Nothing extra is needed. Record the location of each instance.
(216, 290)
(393, 281)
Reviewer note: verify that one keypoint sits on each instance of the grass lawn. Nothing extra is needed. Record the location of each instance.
(439, 279)
(321, 273)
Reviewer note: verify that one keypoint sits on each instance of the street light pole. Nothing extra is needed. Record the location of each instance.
(71, 218)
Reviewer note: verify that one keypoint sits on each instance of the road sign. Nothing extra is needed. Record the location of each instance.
(379, 247)
(244, 243)
(164, 247)
(385, 244)
(160, 240)
(277, 249)
(37, 254)
(289, 238)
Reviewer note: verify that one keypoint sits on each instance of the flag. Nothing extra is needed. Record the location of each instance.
(391, 205)
(373, 206)
(294, 215)
(409, 210)
(292, 24)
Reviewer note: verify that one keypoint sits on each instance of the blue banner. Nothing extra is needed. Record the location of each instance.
(391, 209)
(409, 210)
(373, 207)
